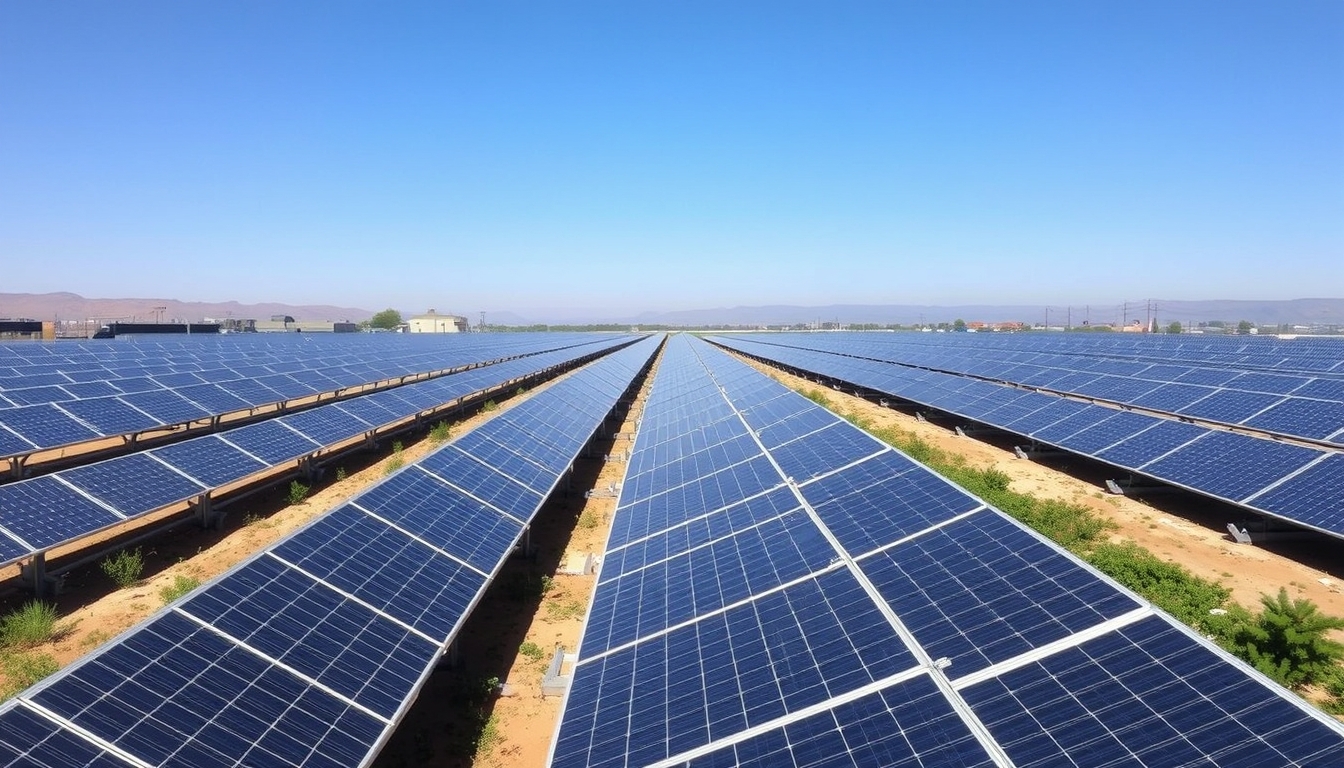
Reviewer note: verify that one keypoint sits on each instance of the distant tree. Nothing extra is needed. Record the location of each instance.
(1244, 327)
(958, 324)
(1174, 326)
(388, 319)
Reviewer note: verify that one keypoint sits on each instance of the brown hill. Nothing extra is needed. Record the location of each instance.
(70, 306)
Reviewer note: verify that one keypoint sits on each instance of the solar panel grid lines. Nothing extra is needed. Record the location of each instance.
(60, 742)
(340, 624)
(1168, 450)
(1041, 611)
(126, 486)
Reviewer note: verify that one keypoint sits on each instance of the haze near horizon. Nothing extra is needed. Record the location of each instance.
(641, 158)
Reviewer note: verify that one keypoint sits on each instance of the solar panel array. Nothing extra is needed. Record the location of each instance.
(310, 653)
(1294, 389)
(44, 512)
(54, 395)
(1293, 481)
(780, 589)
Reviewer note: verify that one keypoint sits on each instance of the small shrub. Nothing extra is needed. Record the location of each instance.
(1288, 641)
(531, 650)
(440, 432)
(563, 610)
(340, 474)
(393, 464)
(489, 406)
(125, 567)
(1168, 585)
(23, 670)
(181, 585)
(397, 447)
(30, 625)
(297, 492)
(815, 395)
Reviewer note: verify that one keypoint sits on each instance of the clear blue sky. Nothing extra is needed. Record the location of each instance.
(640, 155)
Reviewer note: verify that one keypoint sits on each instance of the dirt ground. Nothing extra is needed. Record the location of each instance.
(534, 608)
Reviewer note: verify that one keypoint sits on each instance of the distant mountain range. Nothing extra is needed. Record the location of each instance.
(69, 306)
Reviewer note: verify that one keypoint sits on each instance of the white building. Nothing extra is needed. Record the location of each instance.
(433, 322)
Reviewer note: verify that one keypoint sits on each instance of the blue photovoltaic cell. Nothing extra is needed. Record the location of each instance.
(136, 384)
(45, 426)
(1230, 465)
(479, 480)
(981, 590)
(44, 511)
(287, 386)
(1108, 431)
(910, 725)
(1315, 497)
(132, 484)
(1316, 419)
(251, 392)
(11, 444)
(1267, 382)
(85, 390)
(883, 499)
(1229, 406)
(369, 410)
(38, 395)
(178, 695)
(824, 451)
(808, 419)
(1084, 418)
(1149, 444)
(727, 672)
(509, 460)
(691, 466)
(447, 518)
(271, 441)
(385, 568)
(168, 407)
(28, 740)
(697, 531)
(679, 504)
(705, 579)
(1322, 389)
(1147, 695)
(209, 460)
(1053, 413)
(178, 380)
(327, 425)
(214, 399)
(315, 630)
(1171, 397)
(111, 416)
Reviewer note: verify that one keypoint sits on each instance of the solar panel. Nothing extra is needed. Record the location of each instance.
(308, 653)
(811, 620)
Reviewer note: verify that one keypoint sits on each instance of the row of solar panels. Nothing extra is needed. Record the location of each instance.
(310, 653)
(1264, 353)
(132, 405)
(780, 589)
(122, 365)
(44, 512)
(1295, 405)
(1299, 484)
